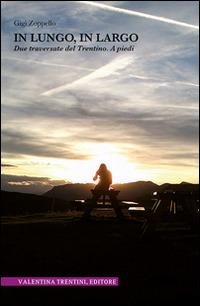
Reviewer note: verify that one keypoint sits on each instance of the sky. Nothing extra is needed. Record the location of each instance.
(63, 113)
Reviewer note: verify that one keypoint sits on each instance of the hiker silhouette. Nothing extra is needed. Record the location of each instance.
(105, 179)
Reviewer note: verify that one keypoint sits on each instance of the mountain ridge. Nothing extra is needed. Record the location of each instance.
(128, 191)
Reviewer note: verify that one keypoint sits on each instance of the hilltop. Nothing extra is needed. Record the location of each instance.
(128, 191)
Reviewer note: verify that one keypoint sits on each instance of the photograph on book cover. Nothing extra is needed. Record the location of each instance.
(99, 180)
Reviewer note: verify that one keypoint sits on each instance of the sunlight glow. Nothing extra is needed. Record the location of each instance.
(83, 171)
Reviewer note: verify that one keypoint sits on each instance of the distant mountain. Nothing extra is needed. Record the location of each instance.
(28, 184)
(60, 198)
(128, 191)
(70, 192)
(136, 190)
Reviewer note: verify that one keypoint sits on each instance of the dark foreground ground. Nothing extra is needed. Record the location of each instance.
(157, 270)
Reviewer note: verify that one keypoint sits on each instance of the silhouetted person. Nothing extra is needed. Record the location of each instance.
(105, 179)
(102, 188)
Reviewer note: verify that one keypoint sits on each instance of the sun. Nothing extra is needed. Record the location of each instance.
(122, 170)
(82, 171)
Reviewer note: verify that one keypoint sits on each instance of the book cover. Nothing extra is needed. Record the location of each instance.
(100, 152)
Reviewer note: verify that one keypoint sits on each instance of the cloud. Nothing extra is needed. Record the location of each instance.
(109, 122)
(47, 63)
(102, 72)
(7, 165)
(25, 144)
(159, 156)
(145, 101)
(139, 14)
(28, 184)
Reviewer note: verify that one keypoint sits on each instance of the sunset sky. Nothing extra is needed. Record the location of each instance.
(65, 113)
